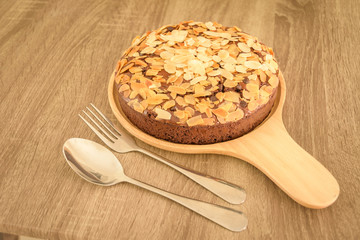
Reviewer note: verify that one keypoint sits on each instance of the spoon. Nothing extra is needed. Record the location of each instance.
(98, 165)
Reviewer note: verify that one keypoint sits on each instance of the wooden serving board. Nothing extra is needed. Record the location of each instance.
(269, 148)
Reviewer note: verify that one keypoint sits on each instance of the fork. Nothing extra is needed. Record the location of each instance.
(121, 142)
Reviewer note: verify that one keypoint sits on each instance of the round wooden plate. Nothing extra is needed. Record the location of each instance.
(269, 148)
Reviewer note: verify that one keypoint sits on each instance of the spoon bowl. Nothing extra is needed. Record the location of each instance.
(93, 162)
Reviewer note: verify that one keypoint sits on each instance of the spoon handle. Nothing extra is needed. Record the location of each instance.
(229, 192)
(226, 217)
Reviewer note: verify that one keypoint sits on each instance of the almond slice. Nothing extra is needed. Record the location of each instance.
(252, 87)
(177, 90)
(252, 105)
(170, 68)
(220, 112)
(274, 81)
(252, 64)
(195, 121)
(162, 114)
(190, 99)
(179, 114)
(230, 84)
(223, 54)
(243, 47)
(235, 116)
(168, 104)
(124, 87)
(232, 96)
(226, 74)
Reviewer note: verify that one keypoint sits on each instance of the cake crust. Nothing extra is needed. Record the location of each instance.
(197, 83)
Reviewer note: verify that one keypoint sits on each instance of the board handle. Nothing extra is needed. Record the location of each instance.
(272, 150)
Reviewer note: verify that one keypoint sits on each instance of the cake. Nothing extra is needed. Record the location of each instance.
(197, 83)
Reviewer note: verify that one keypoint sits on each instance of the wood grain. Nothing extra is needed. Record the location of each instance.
(57, 56)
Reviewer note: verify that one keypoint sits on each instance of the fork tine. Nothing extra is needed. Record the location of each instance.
(104, 139)
(106, 119)
(102, 130)
(102, 123)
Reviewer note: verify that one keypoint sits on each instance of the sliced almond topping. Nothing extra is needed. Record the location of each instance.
(190, 111)
(274, 81)
(126, 93)
(226, 74)
(220, 112)
(122, 79)
(138, 107)
(151, 72)
(250, 42)
(220, 96)
(133, 94)
(252, 64)
(142, 93)
(166, 55)
(157, 99)
(137, 86)
(230, 84)
(195, 121)
(232, 96)
(196, 66)
(262, 76)
(190, 99)
(177, 90)
(243, 47)
(172, 79)
(148, 50)
(170, 68)
(198, 79)
(263, 92)
(179, 114)
(180, 101)
(216, 58)
(223, 54)
(252, 87)
(201, 107)
(124, 87)
(241, 69)
(120, 64)
(141, 63)
(252, 105)
(162, 114)
(268, 89)
(128, 66)
(235, 116)
(214, 73)
(210, 26)
(168, 104)
(209, 121)
(144, 103)
(208, 112)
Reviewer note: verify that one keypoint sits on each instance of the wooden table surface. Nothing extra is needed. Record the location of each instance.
(57, 56)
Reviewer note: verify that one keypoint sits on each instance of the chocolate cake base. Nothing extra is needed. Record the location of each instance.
(197, 134)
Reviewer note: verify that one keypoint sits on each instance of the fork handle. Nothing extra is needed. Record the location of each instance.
(229, 192)
(226, 217)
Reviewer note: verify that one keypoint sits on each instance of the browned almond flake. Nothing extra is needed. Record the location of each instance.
(162, 114)
(197, 120)
(168, 104)
(124, 87)
(274, 81)
(220, 112)
(177, 90)
(252, 105)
